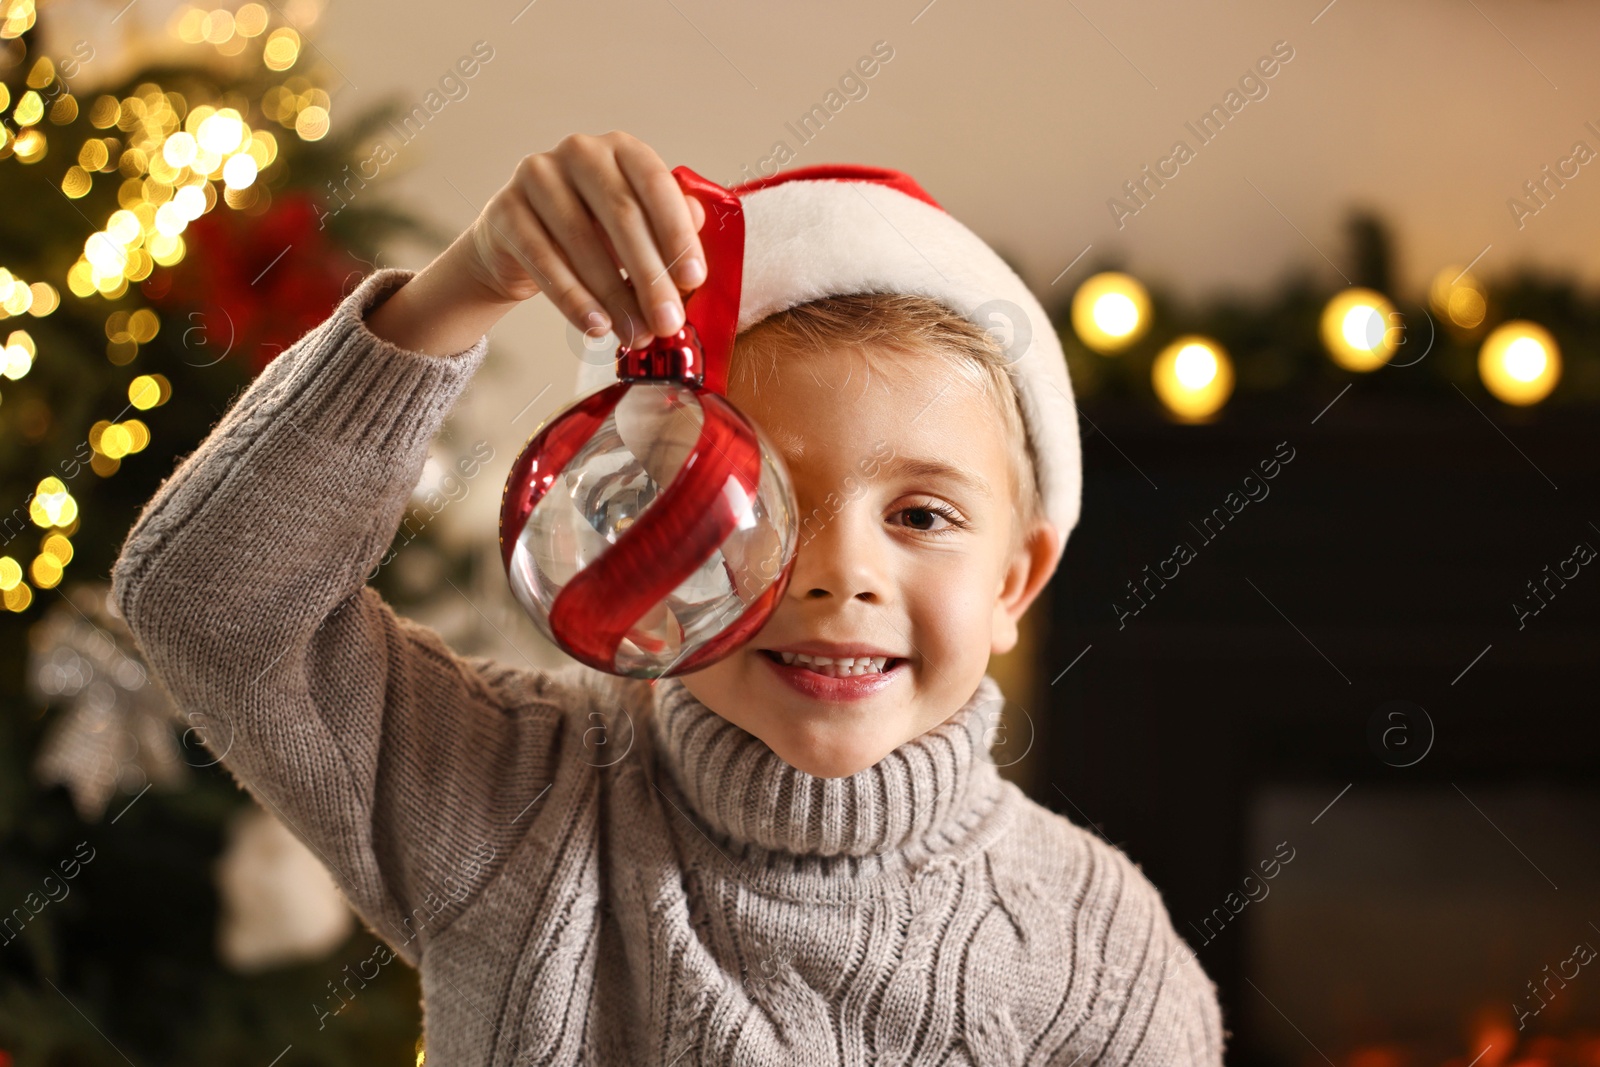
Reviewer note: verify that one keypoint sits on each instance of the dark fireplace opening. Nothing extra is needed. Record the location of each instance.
(1342, 669)
(1433, 924)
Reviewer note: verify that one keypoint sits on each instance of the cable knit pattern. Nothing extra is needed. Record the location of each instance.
(745, 792)
(596, 870)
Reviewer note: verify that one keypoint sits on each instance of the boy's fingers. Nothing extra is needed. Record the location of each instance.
(618, 206)
(668, 210)
(571, 228)
(635, 333)
(519, 236)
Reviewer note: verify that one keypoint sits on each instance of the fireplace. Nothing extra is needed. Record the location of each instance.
(1337, 684)
(1428, 925)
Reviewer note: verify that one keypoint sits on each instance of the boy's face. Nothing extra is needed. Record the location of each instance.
(907, 550)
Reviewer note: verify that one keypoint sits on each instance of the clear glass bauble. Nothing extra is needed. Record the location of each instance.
(649, 528)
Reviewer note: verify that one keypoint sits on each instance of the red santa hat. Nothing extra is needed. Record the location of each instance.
(839, 228)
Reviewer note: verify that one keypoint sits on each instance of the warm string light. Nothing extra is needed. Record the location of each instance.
(16, 18)
(1519, 363)
(1458, 298)
(1193, 377)
(1110, 311)
(126, 331)
(18, 297)
(173, 162)
(55, 510)
(298, 105)
(1360, 329)
(149, 391)
(172, 157)
(17, 357)
(37, 299)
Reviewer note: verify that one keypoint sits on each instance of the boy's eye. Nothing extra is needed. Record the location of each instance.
(930, 518)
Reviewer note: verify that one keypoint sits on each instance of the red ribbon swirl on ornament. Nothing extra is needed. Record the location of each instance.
(672, 538)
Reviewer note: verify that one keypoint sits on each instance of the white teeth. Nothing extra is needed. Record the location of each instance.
(835, 666)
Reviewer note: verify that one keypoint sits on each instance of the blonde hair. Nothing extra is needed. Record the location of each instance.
(901, 326)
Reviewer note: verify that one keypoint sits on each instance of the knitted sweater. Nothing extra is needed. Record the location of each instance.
(597, 870)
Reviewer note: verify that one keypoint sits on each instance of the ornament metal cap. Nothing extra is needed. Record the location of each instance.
(679, 357)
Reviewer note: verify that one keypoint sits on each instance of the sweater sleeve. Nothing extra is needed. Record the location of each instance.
(408, 769)
(1162, 1008)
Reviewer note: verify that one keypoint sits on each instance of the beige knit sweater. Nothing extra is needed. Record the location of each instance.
(588, 869)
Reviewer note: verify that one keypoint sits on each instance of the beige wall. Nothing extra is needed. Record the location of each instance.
(1022, 119)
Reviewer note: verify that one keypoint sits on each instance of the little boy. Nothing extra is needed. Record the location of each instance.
(800, 854)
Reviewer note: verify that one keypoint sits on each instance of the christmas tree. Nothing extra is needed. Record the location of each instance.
(162, 238)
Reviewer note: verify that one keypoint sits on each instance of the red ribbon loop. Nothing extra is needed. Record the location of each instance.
(713, 308)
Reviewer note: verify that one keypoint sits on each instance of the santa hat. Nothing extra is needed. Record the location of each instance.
(838, 228)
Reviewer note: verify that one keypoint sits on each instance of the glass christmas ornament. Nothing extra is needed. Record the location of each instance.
(649, 528)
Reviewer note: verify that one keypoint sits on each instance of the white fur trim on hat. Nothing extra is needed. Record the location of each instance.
(808, 239)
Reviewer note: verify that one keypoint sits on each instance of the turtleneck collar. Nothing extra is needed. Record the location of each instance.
(742, 789)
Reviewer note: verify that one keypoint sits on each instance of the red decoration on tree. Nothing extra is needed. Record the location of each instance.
(254, 283)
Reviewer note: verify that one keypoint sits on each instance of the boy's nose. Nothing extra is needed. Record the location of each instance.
(836, 560)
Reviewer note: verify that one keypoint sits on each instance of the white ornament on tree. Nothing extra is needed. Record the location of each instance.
(115, 727)
(280, 906)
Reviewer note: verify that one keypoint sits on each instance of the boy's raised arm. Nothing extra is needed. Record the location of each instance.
(409, 769)
(401, 764)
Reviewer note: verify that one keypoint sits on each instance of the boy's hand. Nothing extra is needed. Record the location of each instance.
(571, 217)
(566, 224)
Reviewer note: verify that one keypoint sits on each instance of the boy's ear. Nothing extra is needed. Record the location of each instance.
(1031, 566)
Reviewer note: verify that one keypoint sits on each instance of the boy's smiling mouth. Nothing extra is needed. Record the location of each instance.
(839, 674)
(840, 680)
(835, 666)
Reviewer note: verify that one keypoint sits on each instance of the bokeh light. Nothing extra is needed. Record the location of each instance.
(1360, 329)
(239, 171)
(282, 49)
(1519, 362)
(148, 391)
(1110, 311)
(312, 123)
(1193, 377)
(1457, 297)
(17, 358)
(52, 505)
